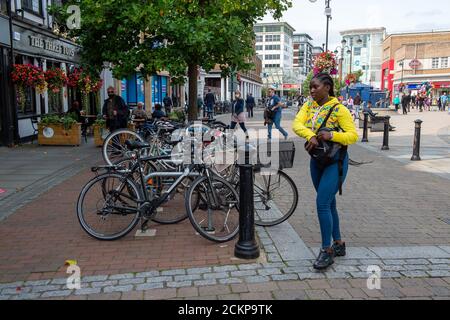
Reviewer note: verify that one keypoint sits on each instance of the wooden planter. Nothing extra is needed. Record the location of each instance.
(60, 137)
(98, 130)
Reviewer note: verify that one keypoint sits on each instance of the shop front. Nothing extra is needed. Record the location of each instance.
(6, 117)
(37, 47)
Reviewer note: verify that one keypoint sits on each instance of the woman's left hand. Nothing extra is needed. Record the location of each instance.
(324, 136)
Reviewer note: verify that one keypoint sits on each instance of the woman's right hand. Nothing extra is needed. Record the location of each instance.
(312, 144)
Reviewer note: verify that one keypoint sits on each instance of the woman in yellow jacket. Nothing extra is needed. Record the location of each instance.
(340, 129)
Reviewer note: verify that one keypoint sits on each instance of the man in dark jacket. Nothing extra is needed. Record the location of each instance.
(115, 111)
(357, 103)
(406, 99)
(210, 101)
(250, 104)
(167, 101)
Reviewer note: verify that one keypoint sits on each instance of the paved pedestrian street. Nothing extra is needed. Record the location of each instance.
(394, 216)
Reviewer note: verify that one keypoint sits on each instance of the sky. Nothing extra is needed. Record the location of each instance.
(395, 15)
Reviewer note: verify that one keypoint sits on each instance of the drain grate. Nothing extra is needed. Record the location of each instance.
(446, 220)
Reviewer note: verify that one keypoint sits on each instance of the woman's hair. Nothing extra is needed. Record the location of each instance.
(326, 79)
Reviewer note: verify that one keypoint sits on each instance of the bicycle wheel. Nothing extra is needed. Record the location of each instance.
(275, 197)
(107, 207)
(114, 148)
(169, 212)
(215, 219)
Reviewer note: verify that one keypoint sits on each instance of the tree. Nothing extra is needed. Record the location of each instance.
(306, 83)
(171, 35)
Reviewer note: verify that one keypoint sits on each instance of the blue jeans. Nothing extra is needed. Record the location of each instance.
(326, 183)
(277, 122)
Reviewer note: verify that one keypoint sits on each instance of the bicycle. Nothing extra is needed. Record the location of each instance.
(211, 202)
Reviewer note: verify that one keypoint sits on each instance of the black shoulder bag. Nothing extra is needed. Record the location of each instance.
(325, 153)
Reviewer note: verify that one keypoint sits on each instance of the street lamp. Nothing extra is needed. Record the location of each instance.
(349, 51)
(328, 15)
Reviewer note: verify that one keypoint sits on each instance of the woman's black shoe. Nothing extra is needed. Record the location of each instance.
(339, 250)
(324, 260)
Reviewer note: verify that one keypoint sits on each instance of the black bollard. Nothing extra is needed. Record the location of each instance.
(366, 128)
(416, 147)
(386, 133)
(246, 247)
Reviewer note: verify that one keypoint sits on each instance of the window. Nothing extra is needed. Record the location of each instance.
(273, 47)
(357, 51)
(444, 63)
(272, 65)
(258, 29)
(272, 57)
(3, 7)
(55, 100)
(273, 38)
(259, 38)
(32, 5)
(435, 63)
(258, 48)
(273, 29)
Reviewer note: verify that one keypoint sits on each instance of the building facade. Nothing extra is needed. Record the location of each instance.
(415, 58)
(246, 82)
(27, 37)
(364, 51)
(275, 47)
(303, 53)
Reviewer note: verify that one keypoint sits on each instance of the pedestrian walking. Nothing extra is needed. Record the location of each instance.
(210, 101)
(275, 107)
(250, 104)
(325, 121)
(444, 100)
(357, 103)
(397, 102)
(167, 101)
(405, 104)
(237, 112)
(115, 111)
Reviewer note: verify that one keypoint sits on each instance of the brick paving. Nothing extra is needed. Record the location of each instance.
(390, 228)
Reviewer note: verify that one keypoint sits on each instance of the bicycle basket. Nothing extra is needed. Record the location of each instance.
(285, 151)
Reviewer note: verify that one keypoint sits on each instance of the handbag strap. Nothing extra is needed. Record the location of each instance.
(324, 123)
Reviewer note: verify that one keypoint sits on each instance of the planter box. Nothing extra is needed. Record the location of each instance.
(56, 135)
(99, 130)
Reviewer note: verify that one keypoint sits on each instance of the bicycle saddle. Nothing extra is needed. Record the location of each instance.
(134, 145)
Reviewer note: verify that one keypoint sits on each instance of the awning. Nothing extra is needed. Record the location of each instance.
(441, 84)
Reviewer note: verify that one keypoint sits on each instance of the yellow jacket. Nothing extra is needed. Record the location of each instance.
(340, 119)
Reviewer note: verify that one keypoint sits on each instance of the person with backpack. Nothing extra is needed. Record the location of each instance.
(274, 112)
(329, 129)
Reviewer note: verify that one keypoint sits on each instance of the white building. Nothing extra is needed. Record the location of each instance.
(363, 50)
(274, 46)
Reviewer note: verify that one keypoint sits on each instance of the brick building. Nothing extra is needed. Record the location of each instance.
(414, 58)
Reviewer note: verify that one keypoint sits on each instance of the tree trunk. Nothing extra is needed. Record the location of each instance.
(193, 87)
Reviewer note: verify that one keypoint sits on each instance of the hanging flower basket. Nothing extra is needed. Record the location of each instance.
(28, 75)
(56, 79)
(350, 79)
(325, 63)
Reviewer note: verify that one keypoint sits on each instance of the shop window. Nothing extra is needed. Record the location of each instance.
(133, 89)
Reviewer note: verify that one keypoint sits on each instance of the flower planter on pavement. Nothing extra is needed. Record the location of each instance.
(56, 135)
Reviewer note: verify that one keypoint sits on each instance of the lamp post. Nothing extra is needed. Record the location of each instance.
(328, 15)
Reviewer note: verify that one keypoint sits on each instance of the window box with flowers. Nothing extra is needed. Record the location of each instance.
(60, 131)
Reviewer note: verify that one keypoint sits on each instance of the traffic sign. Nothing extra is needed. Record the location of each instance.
(414, 64)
